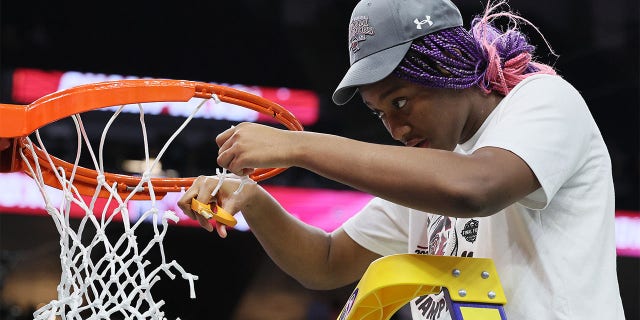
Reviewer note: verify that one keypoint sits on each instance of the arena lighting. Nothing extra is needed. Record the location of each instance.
(628, 233)
(326, 209)
(130, 165)
(31, 84)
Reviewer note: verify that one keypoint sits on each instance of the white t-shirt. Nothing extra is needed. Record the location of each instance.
(554, 250)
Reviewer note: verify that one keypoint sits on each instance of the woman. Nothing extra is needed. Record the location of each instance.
(503, 161)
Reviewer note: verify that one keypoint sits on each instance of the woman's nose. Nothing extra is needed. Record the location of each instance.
(397, 128)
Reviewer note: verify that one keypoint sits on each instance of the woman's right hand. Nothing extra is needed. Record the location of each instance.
(231, 202)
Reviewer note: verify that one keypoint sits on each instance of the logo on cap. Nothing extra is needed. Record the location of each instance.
(359, 29)
(419, 23)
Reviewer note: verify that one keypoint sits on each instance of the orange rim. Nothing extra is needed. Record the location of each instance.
(19, 121)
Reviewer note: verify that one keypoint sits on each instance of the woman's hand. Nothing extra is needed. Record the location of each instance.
(201, 190)
(248, 146)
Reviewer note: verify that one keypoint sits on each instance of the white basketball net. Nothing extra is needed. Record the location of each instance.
(103, 279)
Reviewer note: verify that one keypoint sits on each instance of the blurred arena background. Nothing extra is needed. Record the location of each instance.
(299, 45)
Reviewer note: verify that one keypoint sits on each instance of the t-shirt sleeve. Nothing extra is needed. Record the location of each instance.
(381, 226)
(545, 122)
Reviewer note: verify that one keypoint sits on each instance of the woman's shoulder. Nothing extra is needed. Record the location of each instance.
(544, 82)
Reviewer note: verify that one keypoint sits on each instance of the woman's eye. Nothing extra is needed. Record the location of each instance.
(399, 103)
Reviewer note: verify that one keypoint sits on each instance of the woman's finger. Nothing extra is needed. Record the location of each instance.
(221, 229)
(184, 203)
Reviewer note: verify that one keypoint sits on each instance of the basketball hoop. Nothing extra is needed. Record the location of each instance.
(94, 287)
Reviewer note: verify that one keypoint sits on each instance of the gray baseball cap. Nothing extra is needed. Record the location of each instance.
(380, 34)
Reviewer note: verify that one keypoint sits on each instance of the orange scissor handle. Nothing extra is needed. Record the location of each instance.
(219, 215)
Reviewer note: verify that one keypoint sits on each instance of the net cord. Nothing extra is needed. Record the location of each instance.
(118, 281)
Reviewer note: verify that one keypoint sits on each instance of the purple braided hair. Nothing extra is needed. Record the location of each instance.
(457, 59)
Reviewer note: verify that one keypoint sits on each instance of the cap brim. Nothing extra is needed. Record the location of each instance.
(369, 69)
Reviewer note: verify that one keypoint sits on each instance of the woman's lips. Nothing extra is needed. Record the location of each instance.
(423, 144)
(418, 143)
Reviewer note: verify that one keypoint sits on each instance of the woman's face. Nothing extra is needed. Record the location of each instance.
(419, 116)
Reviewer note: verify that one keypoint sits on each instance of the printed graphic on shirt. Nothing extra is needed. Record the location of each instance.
(470, 230)
(434, 306)
(440, 237)
(444, 236)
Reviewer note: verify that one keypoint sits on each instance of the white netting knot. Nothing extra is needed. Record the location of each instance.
(103, 276)
(170, 215)
(101, 180)
(221, 175)
(243, 180)
(131, 235)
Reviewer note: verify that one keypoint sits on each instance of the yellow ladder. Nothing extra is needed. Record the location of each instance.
(472, 285)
